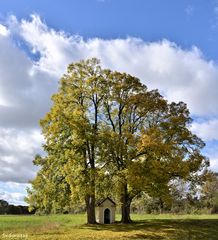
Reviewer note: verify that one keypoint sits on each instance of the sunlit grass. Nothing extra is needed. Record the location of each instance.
(61, 227)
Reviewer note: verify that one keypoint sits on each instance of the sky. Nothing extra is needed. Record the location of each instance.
(170, 45)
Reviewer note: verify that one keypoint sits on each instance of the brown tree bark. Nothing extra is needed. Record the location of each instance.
(125, 206)
(90, 208)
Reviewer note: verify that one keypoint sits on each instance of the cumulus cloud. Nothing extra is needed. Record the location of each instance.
(25, 91)
(180, 74)
(13, 198)
(214, 162)
(18, 149)
(3, 30)
(13, 193)
(206, 130)
(24, 98)
(55, 48)
(212, 152)
(29, 76)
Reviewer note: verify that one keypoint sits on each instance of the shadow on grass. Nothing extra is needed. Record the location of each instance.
(165, 229)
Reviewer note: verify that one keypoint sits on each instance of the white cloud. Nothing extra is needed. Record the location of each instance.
(17, 150)
(55, 48)
(24, 98)
(214, 163)
(13, 193)
(206, 130)
(212, 152)
(13, 198)
(3, 31)
(180, 74)
(25, 91)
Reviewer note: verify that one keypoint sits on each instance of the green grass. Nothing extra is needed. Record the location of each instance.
(63, 227)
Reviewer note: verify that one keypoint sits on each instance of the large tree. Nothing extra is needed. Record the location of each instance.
(106, 125)
(147, 141)
(71, 130)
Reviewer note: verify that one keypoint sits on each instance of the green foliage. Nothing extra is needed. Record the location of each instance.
(49, 192)
(6, 208)
(209, 193)
(3, 203)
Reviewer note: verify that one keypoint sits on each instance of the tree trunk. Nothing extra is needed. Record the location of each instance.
(125, 206)
(161, 206)
(90, 208)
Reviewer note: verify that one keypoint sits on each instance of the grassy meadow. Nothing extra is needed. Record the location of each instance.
(62, 227)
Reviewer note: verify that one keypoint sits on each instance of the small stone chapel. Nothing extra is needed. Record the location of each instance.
(105, 211)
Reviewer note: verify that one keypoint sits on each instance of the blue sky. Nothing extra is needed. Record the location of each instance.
(170, 45)
(186, 22)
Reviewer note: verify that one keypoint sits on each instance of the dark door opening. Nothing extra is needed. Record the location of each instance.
(107, 216)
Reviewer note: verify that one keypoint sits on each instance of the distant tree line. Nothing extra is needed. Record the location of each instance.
(6, 208)
(186, 198)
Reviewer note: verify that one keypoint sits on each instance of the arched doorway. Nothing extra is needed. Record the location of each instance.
(107, 219)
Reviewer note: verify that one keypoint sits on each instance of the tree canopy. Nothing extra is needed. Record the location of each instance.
(107, 134)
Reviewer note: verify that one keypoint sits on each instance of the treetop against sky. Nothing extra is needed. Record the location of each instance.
(169, 45)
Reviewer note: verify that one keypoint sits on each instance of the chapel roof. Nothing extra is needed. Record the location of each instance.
(101, 201)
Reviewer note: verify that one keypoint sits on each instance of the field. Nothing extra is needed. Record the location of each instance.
(63, 227)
